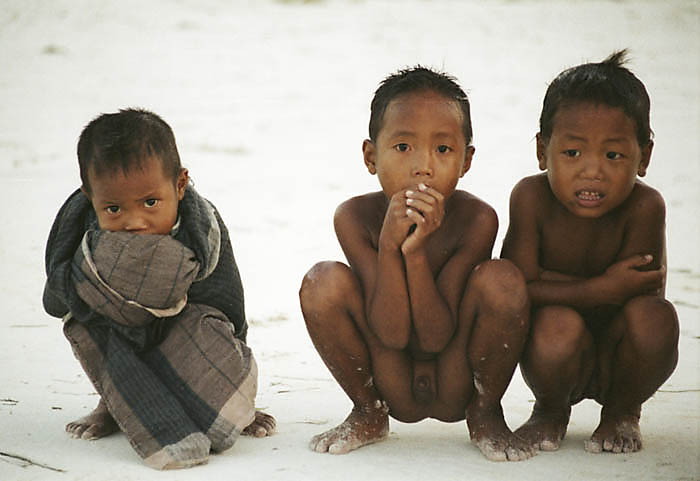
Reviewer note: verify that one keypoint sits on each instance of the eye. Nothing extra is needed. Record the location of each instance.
(443, 149)
(112, 209)
(613, 155)
(572, 153)
(401, 147)
(150, 203)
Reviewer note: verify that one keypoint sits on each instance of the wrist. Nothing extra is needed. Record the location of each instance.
(413, 253)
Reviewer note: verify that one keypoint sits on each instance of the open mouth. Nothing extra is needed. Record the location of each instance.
(589, 197)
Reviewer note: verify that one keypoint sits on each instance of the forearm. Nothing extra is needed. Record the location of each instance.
(580, 293)
(433, 322)
(388, 310)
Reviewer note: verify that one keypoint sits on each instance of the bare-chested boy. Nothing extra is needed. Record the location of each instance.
(589, 238)
(421, 323)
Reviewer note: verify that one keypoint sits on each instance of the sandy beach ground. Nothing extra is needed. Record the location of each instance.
(269, 102)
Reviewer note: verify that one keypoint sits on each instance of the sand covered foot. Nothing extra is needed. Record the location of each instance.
(98, 424)
(495, 441)
(616, 434)
(544, 431)
(361, 427)
(263, 425)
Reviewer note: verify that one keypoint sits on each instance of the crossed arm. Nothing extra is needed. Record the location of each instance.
(638, 267)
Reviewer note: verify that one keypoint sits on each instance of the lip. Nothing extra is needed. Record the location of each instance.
(589, 198)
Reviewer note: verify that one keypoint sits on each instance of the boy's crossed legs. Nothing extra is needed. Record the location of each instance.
(467, 379)
(620, 365)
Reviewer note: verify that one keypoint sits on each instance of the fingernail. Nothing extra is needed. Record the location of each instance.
(422, 186)
(409, 192)
(648, 257)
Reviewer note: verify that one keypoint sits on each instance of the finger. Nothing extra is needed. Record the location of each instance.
(415, 217)
(429, 190)
(640, 260)
(413, 196)
(421, 206)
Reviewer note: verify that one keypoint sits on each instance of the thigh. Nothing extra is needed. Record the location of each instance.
(334, 310)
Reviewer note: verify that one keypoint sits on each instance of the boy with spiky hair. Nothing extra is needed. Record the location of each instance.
(589, 237)
(141, 269)
(422, 323)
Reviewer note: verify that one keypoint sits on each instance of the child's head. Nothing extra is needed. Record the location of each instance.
(420, 132)
(604, 83)
(594, 137)
(417, 79)
(130, 170)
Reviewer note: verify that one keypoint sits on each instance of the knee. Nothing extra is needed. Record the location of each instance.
(557, 333)
(325, 286)
(500, 285)
(651, 325)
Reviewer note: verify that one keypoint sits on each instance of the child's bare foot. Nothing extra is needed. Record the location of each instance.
(544, 430)
(616, 434)
(98, 424)
(263, 425)
(361, 427)
(488, 430)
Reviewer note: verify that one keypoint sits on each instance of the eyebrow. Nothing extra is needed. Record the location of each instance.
(408, 133)
(402, 133)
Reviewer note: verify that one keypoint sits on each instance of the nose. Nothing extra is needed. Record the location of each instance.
(135, 223)
(592, 167)
(422, 164)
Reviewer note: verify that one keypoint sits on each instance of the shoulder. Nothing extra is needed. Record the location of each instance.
(468, 213)
(361, 208)
(470, 206)
(645, 201)
(532, 186)
(531, 196)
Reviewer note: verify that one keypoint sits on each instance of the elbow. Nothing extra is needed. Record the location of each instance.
(390, 336)
(436, 341)
(433, 346)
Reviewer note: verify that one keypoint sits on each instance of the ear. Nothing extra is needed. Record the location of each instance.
(183, 179)
(646, 158)
(541, 151)
(369, 152)
(468, 155)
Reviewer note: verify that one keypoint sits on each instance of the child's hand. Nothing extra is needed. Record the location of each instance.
(396, 224)
(426, 209)
(625, 280)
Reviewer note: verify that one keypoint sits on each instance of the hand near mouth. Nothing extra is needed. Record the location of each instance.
(425, 207)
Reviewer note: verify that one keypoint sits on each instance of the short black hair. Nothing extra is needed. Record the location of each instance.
(416, 79)
(608, 83)
(123, 140)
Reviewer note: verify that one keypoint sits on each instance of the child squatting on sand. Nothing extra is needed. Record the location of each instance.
(590, 239)
(141, 269)
(422, 323)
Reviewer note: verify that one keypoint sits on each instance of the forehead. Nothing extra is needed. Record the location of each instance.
(423, 111)
(145, 176)
(591, 119)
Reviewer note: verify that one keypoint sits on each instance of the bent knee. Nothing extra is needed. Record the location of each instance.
(500, 284)
(326, 284)
(557, 332)
(651, 323)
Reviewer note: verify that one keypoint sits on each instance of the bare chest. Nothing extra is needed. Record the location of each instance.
(580, 248)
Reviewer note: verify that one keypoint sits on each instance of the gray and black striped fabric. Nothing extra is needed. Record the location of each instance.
(171, 369)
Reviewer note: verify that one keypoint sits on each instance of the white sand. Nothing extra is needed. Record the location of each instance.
(270, 103)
